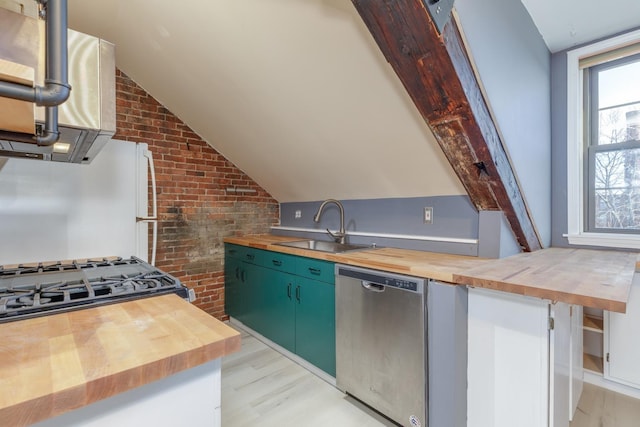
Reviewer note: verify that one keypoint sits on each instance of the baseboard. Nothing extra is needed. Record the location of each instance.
(599, 380)
(294, 357)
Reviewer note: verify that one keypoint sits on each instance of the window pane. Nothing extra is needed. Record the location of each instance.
(617, 189)
(619, 85)
(619, 103)
(619, 124)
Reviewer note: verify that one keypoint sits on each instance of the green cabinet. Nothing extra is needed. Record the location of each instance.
(279, 308)
(243, 281)
(315, 329)
(288, 299)
(231, 278)
(315, 323)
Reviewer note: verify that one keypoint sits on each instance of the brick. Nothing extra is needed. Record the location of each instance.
(194, 211)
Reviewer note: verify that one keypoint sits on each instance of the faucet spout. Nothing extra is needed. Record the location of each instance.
(340, 236)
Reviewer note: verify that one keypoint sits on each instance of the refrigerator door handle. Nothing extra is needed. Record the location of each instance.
(153, 219)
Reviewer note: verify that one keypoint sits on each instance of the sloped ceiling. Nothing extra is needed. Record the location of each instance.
(294, 92)
(567, 23)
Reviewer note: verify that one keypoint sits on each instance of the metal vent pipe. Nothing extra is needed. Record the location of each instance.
(56, 87)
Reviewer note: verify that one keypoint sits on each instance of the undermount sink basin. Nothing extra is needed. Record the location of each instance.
(323, 246)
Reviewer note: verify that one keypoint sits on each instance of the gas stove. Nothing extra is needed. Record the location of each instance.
(33, 290)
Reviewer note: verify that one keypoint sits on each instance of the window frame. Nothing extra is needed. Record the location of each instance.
(592, 146)
(577, 232)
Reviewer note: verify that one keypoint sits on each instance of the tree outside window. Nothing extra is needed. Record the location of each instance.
(614, 146)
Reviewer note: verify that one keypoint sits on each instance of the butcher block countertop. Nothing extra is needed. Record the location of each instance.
(591, 278)
(55, 363)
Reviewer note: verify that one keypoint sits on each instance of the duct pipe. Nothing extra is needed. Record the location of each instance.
(56, 87)
(50, 134)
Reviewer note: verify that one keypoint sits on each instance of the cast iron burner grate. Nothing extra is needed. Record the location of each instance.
(46, 288)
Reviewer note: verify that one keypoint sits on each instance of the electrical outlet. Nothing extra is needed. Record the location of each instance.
(428, 215)
(298, 214)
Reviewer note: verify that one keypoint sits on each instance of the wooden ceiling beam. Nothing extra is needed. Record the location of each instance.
(437, 73)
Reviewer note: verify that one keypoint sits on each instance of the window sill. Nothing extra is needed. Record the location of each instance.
(626, 241)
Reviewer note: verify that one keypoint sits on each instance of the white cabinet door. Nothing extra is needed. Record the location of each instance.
(621, 343)
(577, 372)
(560, 375)
(521, 372)
(508, 368)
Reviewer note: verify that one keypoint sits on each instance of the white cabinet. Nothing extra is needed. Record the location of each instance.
(576, 358)
(621, 346)
(560, 368)
(188, 398)
(519, 369)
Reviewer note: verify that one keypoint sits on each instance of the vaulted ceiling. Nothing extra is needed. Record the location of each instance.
(568, 23)
(294, 92)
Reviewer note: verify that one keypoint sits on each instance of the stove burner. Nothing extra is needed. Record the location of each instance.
(33, 290)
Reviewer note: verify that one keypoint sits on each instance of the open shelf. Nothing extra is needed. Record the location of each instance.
(593, 329)
(593, 363)
(593, 323)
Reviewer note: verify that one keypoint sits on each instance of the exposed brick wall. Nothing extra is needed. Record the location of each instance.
(194, 212)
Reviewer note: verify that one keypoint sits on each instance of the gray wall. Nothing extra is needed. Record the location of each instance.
(559, 148)
(454, 217)
(514, 65)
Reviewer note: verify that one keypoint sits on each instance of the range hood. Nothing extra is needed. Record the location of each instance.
(86, 121)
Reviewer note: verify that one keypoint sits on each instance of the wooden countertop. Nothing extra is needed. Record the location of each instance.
(591, 278)
(55, 363)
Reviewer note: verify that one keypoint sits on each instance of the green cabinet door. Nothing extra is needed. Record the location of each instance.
(232, 275)
(315, 323)
(232, 268)
(249, 295)
(243, 277)
(278, 323)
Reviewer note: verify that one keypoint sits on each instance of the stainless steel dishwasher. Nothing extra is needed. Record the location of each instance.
(401, 346)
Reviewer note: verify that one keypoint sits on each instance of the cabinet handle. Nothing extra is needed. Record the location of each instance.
(276, 262)
(250, 257)
(242, 276)
(237, 273)
(232, 251)
(289, 290)
(315, 271)
(298, 293)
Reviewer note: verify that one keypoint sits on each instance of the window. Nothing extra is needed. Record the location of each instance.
(604, 143)
(612, 123)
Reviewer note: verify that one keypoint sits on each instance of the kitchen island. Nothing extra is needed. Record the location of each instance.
(121, 360)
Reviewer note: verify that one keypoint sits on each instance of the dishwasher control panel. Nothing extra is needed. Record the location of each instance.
(415, 284)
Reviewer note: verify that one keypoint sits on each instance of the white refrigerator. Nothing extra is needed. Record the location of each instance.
(58, 211)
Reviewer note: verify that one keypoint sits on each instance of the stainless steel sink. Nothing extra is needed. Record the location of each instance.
(323, 246)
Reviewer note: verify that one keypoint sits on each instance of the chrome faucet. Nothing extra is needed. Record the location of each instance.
(340, 236)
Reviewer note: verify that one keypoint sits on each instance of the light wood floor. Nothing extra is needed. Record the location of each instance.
(260, 387)
(603, 408)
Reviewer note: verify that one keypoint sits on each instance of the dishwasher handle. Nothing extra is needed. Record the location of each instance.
(373, 287)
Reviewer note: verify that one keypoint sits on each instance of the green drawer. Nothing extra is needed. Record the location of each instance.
(233, 251)
(253, 256)
(279, 261)
(315, 269)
